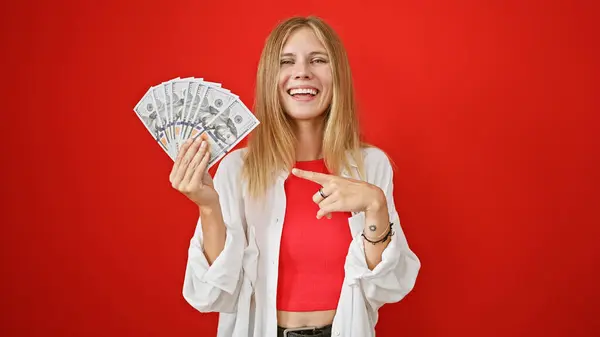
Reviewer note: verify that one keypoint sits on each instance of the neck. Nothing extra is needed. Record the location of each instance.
(309, 135)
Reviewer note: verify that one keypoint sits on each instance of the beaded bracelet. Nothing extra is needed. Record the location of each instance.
(387, 235)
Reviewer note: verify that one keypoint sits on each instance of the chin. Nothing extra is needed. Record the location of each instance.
(304, 114)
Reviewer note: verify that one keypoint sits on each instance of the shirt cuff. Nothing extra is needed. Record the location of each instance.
(357, 267)
(224, 271)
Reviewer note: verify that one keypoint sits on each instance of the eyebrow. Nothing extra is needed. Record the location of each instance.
(310, 54)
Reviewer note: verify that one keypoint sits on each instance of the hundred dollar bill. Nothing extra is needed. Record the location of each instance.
(194, 88)
(194, 92)
(146, 110)
(167, 90)
(180, 89)
(216, 151)
(158, 97)
(170, 101)
(213, 102)
(231, 125)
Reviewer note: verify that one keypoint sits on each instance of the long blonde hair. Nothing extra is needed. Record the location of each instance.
(271, 146)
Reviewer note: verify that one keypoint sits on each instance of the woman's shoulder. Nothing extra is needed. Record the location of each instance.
(377, 165)
(233, 160)
(373, 156)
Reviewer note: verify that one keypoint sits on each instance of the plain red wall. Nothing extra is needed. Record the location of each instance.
(487, 107)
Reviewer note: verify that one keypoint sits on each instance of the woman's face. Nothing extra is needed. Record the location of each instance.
(305, 77)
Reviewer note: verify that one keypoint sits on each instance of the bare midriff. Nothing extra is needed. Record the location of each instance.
(294, 319)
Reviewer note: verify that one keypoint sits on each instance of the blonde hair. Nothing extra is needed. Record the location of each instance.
(271, 146)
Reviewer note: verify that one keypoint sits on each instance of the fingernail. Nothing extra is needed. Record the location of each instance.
(203, 145)
(197, 140)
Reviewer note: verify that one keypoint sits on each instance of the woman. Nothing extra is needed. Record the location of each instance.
(315, 252)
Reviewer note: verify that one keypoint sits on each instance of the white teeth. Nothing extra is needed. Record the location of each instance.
(303, 91)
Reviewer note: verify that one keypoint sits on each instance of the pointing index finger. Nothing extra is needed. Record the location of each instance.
(319, 178)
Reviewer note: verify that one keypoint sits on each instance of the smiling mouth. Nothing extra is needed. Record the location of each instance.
(303, 92)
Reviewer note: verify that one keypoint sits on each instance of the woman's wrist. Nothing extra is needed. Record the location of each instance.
(376, 218)
(209, 209)
(212, 215)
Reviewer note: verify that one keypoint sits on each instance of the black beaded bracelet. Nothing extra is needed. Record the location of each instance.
(389, 234)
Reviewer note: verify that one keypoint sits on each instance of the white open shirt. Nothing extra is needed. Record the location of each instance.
(241, 284)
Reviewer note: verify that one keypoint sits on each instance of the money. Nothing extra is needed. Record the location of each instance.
(159, 100)
(195, 93)
(167, 90)
(178, 92)
(147, 112)
(232, 125)
(183, 108)
(212, 100)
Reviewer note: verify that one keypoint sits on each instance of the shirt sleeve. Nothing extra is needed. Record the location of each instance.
(215, 287)
(395, 276)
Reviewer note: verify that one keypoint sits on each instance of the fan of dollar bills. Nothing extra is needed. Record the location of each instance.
(184, 108)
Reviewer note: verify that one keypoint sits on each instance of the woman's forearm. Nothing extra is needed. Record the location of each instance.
(377, 226)
(213, 230)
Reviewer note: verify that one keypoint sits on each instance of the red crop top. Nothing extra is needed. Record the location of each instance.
(312, 252)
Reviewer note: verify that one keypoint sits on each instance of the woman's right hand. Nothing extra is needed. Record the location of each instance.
(190, 175)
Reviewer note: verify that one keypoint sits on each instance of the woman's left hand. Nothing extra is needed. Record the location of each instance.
(343, 194)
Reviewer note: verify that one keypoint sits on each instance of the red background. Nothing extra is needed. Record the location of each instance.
(487, 107)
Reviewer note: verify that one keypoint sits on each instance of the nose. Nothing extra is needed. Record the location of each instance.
(302, 70)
